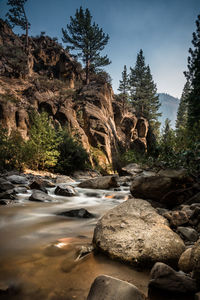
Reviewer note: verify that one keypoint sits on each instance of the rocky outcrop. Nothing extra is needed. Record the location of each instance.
(135, 233)
(55, 85)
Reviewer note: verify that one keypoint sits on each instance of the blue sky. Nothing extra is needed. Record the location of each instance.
(162, 28)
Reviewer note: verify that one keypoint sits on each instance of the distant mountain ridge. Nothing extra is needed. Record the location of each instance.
(168, 108)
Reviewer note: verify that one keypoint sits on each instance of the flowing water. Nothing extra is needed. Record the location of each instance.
(38, 248)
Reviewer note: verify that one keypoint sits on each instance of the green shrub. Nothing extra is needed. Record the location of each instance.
(72, 155)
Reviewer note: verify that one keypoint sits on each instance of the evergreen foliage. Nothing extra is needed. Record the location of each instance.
(87, 39)
(193, 76)
(181, 121)
(143, 92)
(124, 87)
(17, 16)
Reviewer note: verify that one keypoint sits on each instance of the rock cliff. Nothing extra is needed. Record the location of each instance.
(49, 79)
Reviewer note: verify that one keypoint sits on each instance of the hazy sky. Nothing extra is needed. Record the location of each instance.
(162, 28)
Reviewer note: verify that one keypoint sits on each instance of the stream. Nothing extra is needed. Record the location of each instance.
(39, 249)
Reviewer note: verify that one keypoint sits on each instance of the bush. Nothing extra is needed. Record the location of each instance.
(72, 155)
(11, 150)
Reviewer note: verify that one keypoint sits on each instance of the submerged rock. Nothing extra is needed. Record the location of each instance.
(135, 233)
(103, 182)
(109, 288)
(77, 213)
(165, 278)
(40, 196)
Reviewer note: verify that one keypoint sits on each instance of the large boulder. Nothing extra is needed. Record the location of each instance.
(147, 187)
(5, 185)
(165, 278)
(135, 233)
(195, 261)
(102, 182)
(109, 288)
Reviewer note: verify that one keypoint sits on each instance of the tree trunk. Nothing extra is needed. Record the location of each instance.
(27, 45)
(87, 71)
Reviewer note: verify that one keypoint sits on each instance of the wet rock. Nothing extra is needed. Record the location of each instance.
(5, 185)
(176, 218)
(38, 184)
(10, 194)
(77, 213)
(16, 179)
(40, 196)
(154, 187)
(83, 251)
(110, 288)
(184, 262)
(65, 190)
(165, 278)
(195, 217)
(135, 233)
(103, 182)
(188, 233)
(3, 202)
(20, 190)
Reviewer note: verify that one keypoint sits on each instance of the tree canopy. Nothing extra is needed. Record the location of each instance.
(87, 39)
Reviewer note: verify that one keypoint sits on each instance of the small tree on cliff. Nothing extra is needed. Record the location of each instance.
(87, 39)
(124, 87)
(17, 16)
(193, 76)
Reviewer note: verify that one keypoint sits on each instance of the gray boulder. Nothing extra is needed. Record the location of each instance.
(16, 179)
(109, 288)
(65, 190)
(102, 182)
(165, 278)
(40, 196)
(5, 185)
(135, 233)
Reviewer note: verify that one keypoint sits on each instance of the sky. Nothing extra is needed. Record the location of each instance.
(161, 28)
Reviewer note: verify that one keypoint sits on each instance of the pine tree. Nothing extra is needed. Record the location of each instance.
(124, 87)
(87, 39)
(144, 93)
(17, 16)
(181, 121)
(193, 76)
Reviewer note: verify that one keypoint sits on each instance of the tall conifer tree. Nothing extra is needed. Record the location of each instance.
(143, 92)
(17, 16)
(193, 76)
(124, 87)
(182, 113)
(87, 39)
